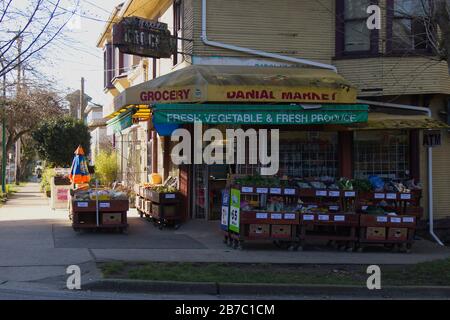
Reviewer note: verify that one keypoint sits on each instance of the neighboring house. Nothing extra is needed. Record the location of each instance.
(97, 126)
(391, 65)
(74, 103)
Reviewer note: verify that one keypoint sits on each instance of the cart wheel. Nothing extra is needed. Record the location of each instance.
(161, 226)
(177, 226)
(299, 248)
(360, 249)
(235, 244)
(225, 239)
(240, 245)
(141, 214)
(292, 247)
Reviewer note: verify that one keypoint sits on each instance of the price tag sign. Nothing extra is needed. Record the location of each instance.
(289, 192)
(170, 196)
(364, 208)
(339, 218)
(275, 190)
(321, 193)
(333, 208)
(82, 204)
(408, 219)
(405, 196)
(382, 219)
(289, 216)
(235, 210)
(247, 189)
(324, 217)
(276, 216)
(308, 217)
(262, 190)
(334, 193)
(379, 196)
(396, 220)
(350, 194)
(261, 215)
(391, 196)
(105, 205)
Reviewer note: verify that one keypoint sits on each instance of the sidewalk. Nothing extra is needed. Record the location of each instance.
(37, 244)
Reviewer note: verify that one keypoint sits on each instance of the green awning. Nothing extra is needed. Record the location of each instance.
(120, 122)
(260, 114)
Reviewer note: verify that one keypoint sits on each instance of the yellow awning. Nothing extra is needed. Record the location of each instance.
(241, 84)
(385, 121)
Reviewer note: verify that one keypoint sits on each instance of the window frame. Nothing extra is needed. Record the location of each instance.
(340, 35)
(177, 24)
(390, 33)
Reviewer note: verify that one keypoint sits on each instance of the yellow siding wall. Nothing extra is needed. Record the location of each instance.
(282, 26)
(396, 76)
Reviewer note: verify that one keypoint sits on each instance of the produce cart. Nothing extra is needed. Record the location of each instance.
(160, 204)
(273, 217)
(102, 214)
(394, 230)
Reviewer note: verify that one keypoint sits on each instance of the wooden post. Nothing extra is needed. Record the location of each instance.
(154, 151)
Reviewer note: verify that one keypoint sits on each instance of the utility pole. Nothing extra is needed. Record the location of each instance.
(81, 111)
(19, 87)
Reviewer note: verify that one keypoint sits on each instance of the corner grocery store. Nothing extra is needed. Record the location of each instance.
(375, 140)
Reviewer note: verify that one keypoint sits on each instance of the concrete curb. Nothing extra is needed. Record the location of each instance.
(210, 288)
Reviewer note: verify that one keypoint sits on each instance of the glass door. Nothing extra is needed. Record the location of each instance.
(201, 192)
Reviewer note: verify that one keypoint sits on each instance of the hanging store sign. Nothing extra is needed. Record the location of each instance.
(262, 114)
(145, 38)
(432, 138)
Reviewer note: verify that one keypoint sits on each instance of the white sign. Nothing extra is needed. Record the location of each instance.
(321, 193)
(396, 220)
(382, 219)
(170, 195)
(289, 191)
(82, 204)
(408, 219)
(350, 194)
(105, 205)
(405, 196)
(324, 217)
(276, 216)
(334, 193)
(308, 217)
(247, 189)
(260, 215)
(275, 190)
(333, 208)
(225, 211)
(379, 195)
(289, 216)
(262, 190)
(391, 196)
(339, 218)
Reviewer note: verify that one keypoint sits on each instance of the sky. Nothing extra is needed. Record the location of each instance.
(76, 55)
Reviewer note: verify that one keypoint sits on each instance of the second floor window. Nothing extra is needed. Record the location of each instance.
(407, 25)
(352, 35)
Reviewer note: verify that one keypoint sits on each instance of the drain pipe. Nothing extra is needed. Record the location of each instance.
(257, 52)
(429, 156)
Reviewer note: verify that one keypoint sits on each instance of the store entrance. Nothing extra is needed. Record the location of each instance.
(200, 195)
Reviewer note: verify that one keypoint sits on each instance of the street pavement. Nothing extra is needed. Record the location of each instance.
(37, 244)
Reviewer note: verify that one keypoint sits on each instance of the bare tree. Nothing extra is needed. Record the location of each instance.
(27, 27)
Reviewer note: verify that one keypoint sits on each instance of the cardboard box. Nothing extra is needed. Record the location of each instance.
(376, 233)
(398, 234)
(112, 218)
(281, 231)
(259, 230)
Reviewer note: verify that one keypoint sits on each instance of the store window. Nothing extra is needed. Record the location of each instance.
(382, 153)
(304, 154)
(352, 35)
(407, 25)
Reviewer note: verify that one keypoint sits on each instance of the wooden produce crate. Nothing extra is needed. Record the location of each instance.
(394, 231)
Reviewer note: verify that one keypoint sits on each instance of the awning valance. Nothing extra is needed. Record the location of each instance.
(260, 114)
(120, 122)
(240, 84)
(387, 121)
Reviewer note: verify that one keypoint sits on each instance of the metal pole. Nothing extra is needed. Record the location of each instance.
(4, 134)
(81, 111)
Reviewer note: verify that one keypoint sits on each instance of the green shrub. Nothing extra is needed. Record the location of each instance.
(47, 178)
(106, 167)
